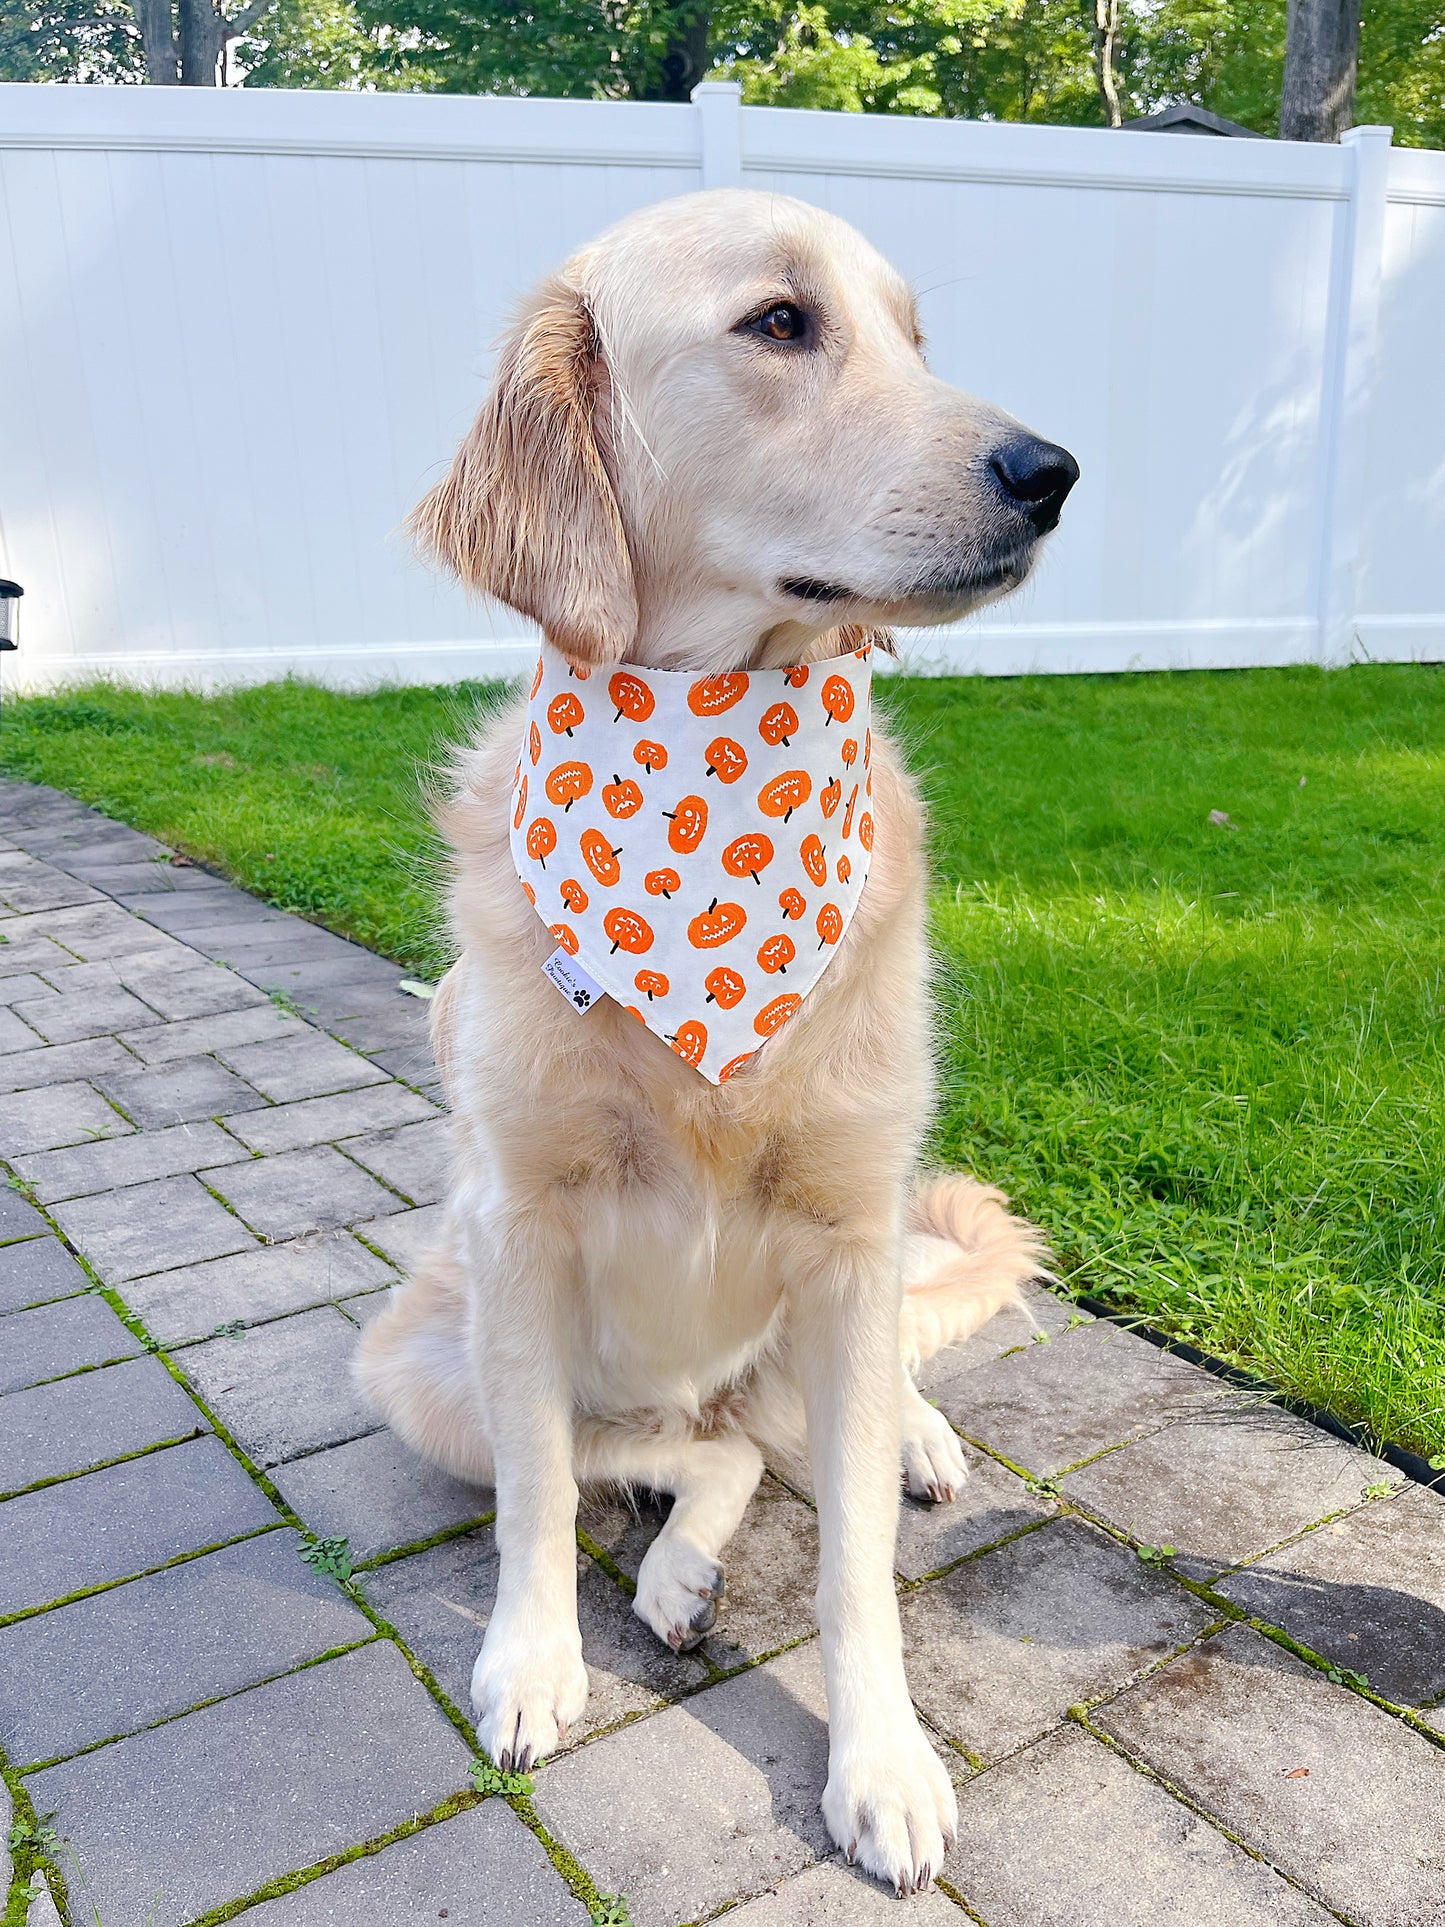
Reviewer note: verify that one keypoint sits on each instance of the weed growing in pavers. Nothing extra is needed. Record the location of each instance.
(34, 1836)
(1343, 1676)
(1156, 1555)
(1381, 1489)
(611, 1911)
(331, 1555)
(287, 1006)
(488, 1779)
(232, 1328)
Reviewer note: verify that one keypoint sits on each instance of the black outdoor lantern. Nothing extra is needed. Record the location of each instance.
(10, 594)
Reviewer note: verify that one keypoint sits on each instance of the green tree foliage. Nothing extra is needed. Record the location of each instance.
(980, 59)
(69, 40)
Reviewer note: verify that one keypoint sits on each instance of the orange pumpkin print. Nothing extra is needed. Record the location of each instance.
(848, 813)
(627, 930)
(837, 699)
(714, 694)
(534, 744)
(845, 867)
(661, 883)
(865, 830)
(719, 923)
(830, 796)
(774, 1015)
(829, 925)
(564, 712)
(599, 856)
(735, 1064)
(573, 895)
(689, 825)
(690, 1041)
(726, 760)
(797, 675)
(746, 855)
(814, 861)
(541, 839)
(521, 809)
(792, 903)
(531, 893)
(565, 936)
(633, 1011)
(631, 696)
(785, 793)
(567, 782)
(651, 756)
(580, 670)
(652, 984)
(849, 751)
(621, 797)
(537, 679)
(777, 953)
(724, 987)
(867, 745)
(779, 723)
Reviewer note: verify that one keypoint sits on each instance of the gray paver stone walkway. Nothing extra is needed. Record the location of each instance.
(212, 1719)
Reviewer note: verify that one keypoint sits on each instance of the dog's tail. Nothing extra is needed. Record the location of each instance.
(965, 1256)
(414, 1366)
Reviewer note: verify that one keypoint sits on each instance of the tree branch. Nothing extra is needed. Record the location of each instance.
(247, 18)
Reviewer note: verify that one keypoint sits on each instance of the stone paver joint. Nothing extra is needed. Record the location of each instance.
(230, 1118)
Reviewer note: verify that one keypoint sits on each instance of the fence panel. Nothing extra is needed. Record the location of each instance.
(240, 333)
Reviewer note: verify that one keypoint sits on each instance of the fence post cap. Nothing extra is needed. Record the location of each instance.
(1370, 133)
(733, 87)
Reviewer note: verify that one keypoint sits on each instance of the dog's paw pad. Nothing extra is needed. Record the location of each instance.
(934, 1467)
(679, 1589)
(893, 1811)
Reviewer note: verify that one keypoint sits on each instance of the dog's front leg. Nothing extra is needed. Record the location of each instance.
(888, 1803)
(529, 1684)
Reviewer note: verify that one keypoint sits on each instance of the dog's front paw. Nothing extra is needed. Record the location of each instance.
(525, 1695)
(678, 1590)
(891, 1808)
(934, 1467)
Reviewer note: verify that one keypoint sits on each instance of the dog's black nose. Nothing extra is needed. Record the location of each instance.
(1037, 475)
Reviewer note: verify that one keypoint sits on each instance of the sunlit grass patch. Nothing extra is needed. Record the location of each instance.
(1209, 1057)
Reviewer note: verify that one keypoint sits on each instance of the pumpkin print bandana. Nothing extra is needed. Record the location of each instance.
(698, 844)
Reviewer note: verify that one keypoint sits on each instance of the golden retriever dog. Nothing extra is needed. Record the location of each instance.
(712, 444)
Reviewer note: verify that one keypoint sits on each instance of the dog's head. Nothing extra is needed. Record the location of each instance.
(713, 436)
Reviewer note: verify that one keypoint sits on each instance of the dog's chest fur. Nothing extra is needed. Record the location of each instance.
(681, 1200)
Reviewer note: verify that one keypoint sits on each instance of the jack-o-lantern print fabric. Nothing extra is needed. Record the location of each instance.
(699, 844)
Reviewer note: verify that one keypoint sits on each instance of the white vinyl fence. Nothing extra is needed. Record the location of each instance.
(241, 332)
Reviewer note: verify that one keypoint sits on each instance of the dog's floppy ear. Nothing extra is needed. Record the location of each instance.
(526, 512)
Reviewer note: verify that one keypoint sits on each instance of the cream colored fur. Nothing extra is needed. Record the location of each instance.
(643, 1277)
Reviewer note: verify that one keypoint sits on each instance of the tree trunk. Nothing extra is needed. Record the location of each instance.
(684, 55)
(202, 39)
(158, 40)
(1106, 36)
(1321, 53)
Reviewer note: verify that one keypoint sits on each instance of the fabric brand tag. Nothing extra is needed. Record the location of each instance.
(572, 980)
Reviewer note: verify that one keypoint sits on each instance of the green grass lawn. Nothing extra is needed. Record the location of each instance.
(1210, 1059)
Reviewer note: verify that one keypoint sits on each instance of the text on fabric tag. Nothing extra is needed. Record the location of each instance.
(580, 989)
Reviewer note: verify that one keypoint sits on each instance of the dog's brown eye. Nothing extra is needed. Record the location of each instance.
(782, 322)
